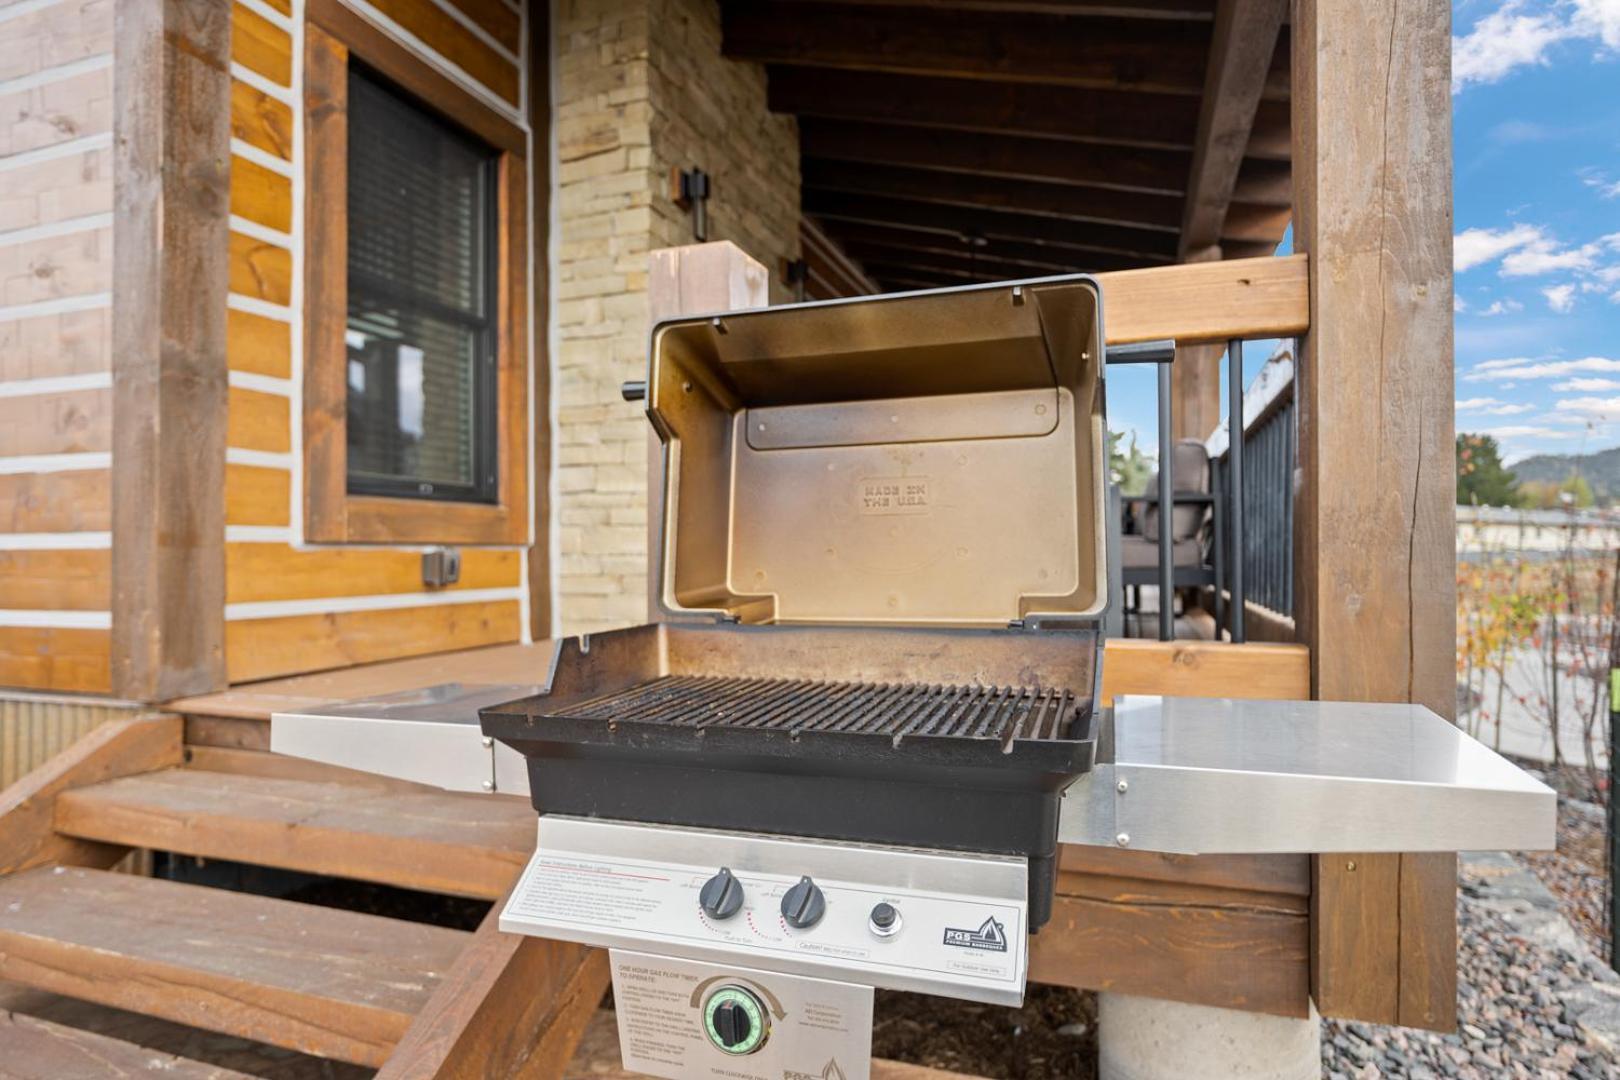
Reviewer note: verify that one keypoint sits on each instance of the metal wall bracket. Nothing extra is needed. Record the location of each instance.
(1210, 776)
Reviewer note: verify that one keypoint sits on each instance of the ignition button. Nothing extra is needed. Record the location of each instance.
(885, 920)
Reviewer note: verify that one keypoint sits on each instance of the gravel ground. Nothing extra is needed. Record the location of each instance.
(1511, 1016)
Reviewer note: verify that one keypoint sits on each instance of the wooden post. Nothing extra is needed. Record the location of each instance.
(1375, 547)
(171, 183)
(1195, 391)
(691, 280)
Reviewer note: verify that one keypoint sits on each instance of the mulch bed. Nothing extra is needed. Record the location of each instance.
(1054, 1034)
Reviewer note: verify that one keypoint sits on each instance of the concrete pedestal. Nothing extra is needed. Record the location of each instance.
(1145, 1039)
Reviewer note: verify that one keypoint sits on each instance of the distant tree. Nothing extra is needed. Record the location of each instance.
(1546, 495)
(1482, 479)
(1129, 467)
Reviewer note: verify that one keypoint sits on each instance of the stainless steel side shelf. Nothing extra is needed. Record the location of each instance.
(429, 736)
(1208, 776)
(1182, 775)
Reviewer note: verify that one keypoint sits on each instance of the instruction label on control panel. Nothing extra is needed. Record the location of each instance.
(813, 1029)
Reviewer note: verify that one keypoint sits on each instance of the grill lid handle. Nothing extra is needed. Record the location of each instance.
(1162, 351)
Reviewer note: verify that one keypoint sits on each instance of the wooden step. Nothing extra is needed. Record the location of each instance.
(417, 838)
(319, 980)
(32, 1049)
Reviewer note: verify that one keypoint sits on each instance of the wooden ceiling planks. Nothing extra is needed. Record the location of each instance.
(951, 140)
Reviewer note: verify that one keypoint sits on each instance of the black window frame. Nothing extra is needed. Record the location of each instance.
(486, 488)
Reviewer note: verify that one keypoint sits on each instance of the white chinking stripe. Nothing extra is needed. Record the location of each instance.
(480, 33)
(435, 60)
(35, 463)
(61, 305)
(63, 620)
(88, 223)
(264, 384)
(56, 384)
(275, 609)
(258, 534)
(260, 232)
(73, 541)
(248, 152)
(59, 73)
(268, 14)
(254, 306)
(71, 147)
(261, 459)
(244, 74)
(27, 7)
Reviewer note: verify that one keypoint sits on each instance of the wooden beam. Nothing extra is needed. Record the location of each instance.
(1009, 157)
(1192, 10)
(1114, 117)
(1214, 301)
(925, 241)
(1147, 246)
(172, 134)
(1374, 564)
(510, 1006)
(1205, 669)
(1108, 53)
(28, 807)
(832, 273)
(1108, 206)
(1028, 260)
(1240, 55)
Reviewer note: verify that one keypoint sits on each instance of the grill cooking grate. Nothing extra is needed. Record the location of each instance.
(1002, 713)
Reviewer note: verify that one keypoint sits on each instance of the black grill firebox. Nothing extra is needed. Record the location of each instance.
(881, 564)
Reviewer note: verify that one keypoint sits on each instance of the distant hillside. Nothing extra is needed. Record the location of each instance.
(1601, 470)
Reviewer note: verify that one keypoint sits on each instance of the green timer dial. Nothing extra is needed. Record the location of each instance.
(735, 1020)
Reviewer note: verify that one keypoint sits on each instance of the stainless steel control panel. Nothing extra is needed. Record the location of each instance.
(899, 918)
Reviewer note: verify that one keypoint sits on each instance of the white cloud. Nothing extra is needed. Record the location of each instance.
(1544, 256)
(1600, 19)
(1586, 386)
(1503, 307)
(1521, 368)
(1474, 247)
(1561, 298)
(1489, 406)
(1526, 431)
(1591, 408)
(1458, 304)
(1598, 179)
(1514, 36)
(1504, 40)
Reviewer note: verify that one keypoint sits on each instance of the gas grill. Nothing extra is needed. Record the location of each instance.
(845, 754)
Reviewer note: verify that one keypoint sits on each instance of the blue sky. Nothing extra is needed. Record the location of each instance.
(1536, 128)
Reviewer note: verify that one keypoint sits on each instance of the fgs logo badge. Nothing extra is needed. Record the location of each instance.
(829, 1071)
(989, 937)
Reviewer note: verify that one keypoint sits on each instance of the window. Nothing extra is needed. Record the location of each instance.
(420, 338)
(416, 252)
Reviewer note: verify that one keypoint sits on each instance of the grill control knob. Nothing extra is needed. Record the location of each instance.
(735, 1020)
(885, 920)
(803, 905)
(722, 895)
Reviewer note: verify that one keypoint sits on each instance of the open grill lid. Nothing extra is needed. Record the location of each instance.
(928, 458)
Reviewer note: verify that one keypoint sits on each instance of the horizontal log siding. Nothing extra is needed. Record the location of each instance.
(55, 370)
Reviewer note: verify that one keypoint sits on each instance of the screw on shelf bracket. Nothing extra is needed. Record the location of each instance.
(690, 191)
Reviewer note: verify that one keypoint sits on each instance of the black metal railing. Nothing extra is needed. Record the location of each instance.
(1267, 499)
